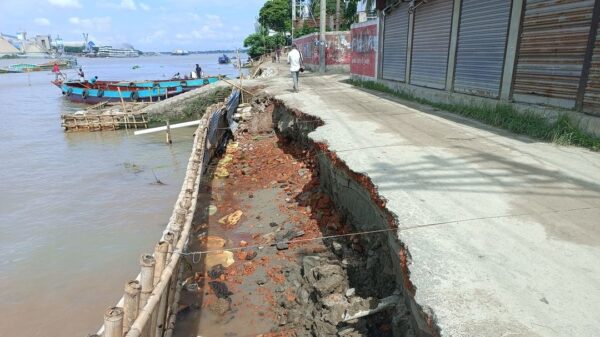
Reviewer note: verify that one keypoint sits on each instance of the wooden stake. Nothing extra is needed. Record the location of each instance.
(123, 104)
(241, 77)
(168, 134)
(131, 303)
(237, 86)
(113, 322)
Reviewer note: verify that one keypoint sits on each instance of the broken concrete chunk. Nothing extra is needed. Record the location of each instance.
(220, 307)
(282, 245)
(329, 279)
(224, 258)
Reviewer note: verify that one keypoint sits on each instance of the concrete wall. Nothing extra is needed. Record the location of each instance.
(338, 52)
(365, 42)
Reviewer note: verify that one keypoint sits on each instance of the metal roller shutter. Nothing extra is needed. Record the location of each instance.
(591, 99)
(431, 41)
(395, 39)
(553, 44)
(481, 44)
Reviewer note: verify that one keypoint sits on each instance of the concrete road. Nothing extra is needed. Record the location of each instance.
(504, 231)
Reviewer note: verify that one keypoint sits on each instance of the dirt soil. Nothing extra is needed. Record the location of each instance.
(263, 275)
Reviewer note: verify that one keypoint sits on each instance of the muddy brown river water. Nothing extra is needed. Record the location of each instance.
(77, 210)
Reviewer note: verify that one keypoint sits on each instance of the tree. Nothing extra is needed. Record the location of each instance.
(261, 43)
(276, 15)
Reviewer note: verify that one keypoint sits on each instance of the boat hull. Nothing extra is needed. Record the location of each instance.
(187, 85)
(79, 94)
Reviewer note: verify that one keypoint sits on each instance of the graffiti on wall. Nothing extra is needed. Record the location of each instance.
(364, 50)
(338, 48)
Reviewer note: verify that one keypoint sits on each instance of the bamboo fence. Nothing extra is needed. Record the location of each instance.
(149, 305)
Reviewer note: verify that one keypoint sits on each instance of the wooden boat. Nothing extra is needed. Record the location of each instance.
(62, 64)
(88, 93)
(24, 67)
(48, 66)
(187, 85)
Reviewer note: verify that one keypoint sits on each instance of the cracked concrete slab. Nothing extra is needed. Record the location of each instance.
(502, 230)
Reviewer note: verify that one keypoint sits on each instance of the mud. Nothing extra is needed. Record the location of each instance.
(286, 280)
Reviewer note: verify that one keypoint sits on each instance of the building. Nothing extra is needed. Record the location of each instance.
(535, 54)
(6, 48)
(109, 51)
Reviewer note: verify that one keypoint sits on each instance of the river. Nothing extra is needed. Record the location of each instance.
(78, 209)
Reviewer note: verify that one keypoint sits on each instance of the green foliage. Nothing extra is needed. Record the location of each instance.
(276, 15)
(192, 109)
(562, 131)
(260, 43)
(349, 14)
(305, 29)
(330, 5)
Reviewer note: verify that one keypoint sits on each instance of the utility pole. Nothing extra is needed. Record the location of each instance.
(293, 18)
(337, 15)
(322, 19)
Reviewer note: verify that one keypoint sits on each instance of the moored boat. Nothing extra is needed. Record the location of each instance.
(224, 59)
(187, 85)
(88, 93)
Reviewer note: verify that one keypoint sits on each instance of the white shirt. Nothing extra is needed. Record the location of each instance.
(294, 59)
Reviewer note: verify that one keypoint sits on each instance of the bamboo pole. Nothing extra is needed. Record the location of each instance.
(131, 304)
(173, 306)
(168, 274)
(161, 312)
(237, 86)
(241, 77)
(123, 104)
(147, 263)
(113, 322)
(160, 257)
(168, 134)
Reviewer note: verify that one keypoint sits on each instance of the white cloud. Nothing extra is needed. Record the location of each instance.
(99, 24)
(143, 6)
(124, 4)
(65, 3)
(41, 21)
(128, 4)
(212, 29)
(156, 35)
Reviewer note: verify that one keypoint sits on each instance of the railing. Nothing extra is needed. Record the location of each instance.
(149, 305)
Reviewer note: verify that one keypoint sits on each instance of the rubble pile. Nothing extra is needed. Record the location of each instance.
(268, 272)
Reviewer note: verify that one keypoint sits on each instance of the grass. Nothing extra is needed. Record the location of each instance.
(193, 109)
(504, 116)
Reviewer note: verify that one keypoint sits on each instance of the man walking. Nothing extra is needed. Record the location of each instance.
(295, 61)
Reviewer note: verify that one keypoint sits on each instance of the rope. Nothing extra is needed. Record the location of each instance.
(232, 249)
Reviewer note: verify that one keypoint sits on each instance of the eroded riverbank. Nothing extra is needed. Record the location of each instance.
(267, 206)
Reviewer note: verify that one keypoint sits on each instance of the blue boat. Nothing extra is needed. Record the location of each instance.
(187, 85)
(109, 92)
(224, 59)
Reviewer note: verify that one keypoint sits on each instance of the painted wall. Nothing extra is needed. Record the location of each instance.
(338, 50)
(365, 41)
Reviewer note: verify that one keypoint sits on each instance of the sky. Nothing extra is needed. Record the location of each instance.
(149, 25)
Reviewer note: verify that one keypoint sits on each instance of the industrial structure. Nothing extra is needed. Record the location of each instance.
(538, 53)
(38, 46)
